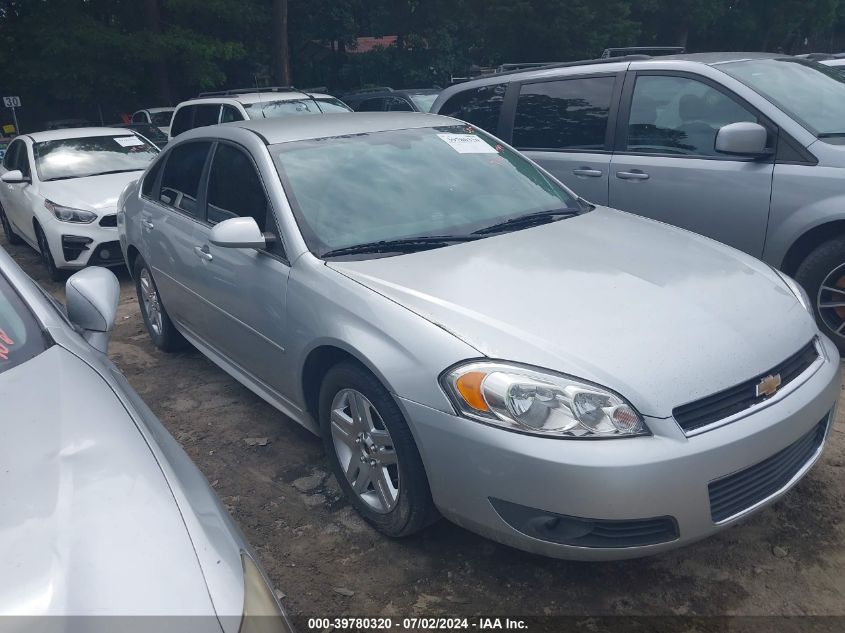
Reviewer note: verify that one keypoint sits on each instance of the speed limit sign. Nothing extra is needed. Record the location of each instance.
(12, 102)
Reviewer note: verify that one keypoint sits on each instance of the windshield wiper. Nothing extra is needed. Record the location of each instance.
(531, 219)
(404, 245)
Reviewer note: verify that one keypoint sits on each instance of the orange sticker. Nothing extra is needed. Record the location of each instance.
(5, 341)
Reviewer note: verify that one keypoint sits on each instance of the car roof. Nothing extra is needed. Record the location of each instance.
(301, 128)
(249, 98)
(73, 132)
(157, 110)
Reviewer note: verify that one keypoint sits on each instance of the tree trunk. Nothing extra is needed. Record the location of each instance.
(281, 51)
(152, 20)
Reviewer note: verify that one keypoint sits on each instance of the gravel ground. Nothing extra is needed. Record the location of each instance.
(786, 560)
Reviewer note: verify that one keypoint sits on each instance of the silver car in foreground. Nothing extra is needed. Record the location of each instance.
(103, 514)
(470, 338)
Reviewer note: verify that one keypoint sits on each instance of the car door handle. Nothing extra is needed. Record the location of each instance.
(203, 253)
(636, 174)
(147, 224)
(587, 172)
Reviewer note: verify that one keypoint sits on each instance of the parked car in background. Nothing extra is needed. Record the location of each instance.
(59, 193)
(160, 117)
(746, 148)
(150, 132)
(468, 336)
(4, 143)
(390, 100)
(211, 108)
(837, 62)
(63, 124)
(103, 512)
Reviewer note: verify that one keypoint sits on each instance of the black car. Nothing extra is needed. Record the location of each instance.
(151, 132)
(390, 100)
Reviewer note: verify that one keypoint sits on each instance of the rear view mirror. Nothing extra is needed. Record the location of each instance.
(238, 233)
(14, 177)
(92, 295)
(742, 139)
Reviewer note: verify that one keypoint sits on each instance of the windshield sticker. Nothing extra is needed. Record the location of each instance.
(467, 144)
(128, 141)
(5, 343)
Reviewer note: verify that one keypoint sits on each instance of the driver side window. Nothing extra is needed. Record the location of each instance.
(679, 115)
(17, 158)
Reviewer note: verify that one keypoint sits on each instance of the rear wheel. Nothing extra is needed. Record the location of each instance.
(163, 333)
(822, 274)
(47, 257)
(372, 452)
(10, 234)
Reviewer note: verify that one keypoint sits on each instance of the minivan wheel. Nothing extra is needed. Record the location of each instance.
(822, 274)
(8, 231)
(372, 453)
(55, 273)
(159, 326)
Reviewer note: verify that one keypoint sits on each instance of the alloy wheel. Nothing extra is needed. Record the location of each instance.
(150, 301)
(830, 301)
(365, 450)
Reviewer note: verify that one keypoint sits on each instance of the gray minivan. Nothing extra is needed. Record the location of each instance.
(746, 148)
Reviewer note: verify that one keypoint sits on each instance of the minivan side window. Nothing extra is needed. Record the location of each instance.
(230, 113)
(182, 120)
(206, 114)
(150, 179)
(566, 114)
(679, 115)
(180, 181)
(479, 106)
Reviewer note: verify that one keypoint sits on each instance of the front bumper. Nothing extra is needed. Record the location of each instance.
(472, 466)
(79, 245)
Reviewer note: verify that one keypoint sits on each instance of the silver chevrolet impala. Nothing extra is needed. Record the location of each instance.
(101, 512)
(472, 340)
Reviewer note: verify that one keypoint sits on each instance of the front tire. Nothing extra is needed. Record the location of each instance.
(163, 333)
(8, 231)
(822, 274)
(55, 273)
(372, 453)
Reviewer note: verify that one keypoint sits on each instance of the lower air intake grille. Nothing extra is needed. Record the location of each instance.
(732, 494)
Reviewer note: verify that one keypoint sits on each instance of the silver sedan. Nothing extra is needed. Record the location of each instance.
(102, 511)
(470, 339)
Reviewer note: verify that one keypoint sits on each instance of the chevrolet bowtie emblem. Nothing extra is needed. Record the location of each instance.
(768, 385)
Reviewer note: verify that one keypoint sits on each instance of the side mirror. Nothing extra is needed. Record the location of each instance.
(92, 295)
(14, 177)
(742, 139)
(238, 233)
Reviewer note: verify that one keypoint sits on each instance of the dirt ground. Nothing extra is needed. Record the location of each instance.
(786, 560)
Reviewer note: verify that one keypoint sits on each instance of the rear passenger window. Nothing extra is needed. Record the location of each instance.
(181, 120)
(150, 180)
(247, 199)
(181, 178)
(479, 106)
(371, 105)
(206, 114)
(230, 114)
(567, 114)
(397, 104)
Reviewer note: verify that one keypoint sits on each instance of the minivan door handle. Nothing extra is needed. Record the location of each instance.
(202, 252)
(634, 174)
(586, 172)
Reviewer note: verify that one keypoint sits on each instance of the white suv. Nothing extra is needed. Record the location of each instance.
(211, 108)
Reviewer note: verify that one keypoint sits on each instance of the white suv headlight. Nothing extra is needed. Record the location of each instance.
(69, 214)
(540, 403)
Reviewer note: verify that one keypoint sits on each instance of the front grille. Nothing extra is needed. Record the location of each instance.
(109, 220)
(580, 532)
(732, 494)
(695, 415)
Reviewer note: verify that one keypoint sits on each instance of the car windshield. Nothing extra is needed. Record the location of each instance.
(287, 107)
(812, 94)
(405, 184)
(91, 156)
(20, 336)
(330, 105)
(161, 118)
(423, 101)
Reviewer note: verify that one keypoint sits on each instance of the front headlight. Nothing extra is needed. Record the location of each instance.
(262, 613)
(798, 291)
(540, 403)
(69, 214)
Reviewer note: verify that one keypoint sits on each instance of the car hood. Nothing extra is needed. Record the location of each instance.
(88, 524)
(95, 193)
(659, 314)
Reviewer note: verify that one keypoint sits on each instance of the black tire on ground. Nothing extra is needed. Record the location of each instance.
(56, 274)
(8, 231)
(168, 339)
(414, 508)
(818, 268)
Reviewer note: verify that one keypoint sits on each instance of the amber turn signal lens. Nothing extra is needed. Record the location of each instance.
(469, 386)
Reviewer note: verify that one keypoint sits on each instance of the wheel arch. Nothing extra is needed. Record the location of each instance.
(808, 242)
(132, 254)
